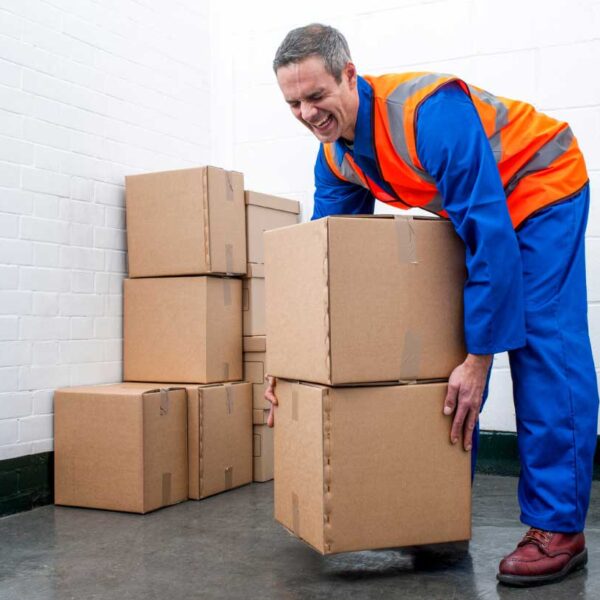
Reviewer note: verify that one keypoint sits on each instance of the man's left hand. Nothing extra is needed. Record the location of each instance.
(464, 397)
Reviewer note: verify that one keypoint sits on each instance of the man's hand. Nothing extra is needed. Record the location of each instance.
(465, 394)
(272, 398)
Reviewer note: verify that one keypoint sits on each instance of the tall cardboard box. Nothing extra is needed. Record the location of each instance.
(360, 468)
(364, 299)
(219, 437)
(255, 369)
(186, 222)
(120, 447)
(264, 212)
(263, 453)
(186, 329)
(253, 301)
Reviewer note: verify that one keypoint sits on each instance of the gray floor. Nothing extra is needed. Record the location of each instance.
(229, 547)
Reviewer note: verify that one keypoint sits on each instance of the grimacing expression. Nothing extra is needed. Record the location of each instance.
(318, 101)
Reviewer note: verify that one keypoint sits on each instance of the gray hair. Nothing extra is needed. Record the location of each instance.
(314, 40)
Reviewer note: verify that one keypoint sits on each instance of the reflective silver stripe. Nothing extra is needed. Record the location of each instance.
(349, 173)
(543, 158)
(501, 119)
(435, 204)
(398, 98)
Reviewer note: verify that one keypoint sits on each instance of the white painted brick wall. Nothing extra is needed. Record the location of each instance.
(89, 92)
(546, 52)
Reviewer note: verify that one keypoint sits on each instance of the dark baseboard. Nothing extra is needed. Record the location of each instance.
(28, 481)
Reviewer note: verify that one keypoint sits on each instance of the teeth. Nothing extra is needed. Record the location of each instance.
(323, 122)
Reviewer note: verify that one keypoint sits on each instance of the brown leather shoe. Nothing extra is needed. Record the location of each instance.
(543, 557)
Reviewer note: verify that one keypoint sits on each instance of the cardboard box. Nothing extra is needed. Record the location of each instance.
(219, 437)
(360, 468)
(259, 416)
(186, 222)
(254, 372)
(263, 453)
(186, 329)
(253, 301)
(364, 299)
(264, 213)
(120, 447)
(255, 343)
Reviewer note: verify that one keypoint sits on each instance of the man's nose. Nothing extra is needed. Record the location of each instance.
(307, 110)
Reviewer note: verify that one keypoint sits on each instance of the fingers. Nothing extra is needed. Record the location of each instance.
(270, 391)
(451, 398)
(271, 417)
(458, 422)
(469, 428)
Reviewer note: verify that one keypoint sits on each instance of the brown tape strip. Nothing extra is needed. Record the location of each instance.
(294, 403)
(164, 402)
(411, 356)
(226, 292)
(295, 514)
(229, 391)
(229, 258)
(228, 478)
(166, 488)
(406, 240)
(225, 371)
(228, 186)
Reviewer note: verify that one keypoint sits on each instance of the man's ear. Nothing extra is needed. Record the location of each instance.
(351, 75)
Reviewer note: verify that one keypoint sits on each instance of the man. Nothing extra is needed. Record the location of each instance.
(514, 184)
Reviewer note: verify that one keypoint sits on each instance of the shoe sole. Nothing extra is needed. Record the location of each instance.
(577, 562)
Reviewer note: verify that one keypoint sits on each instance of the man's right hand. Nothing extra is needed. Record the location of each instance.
(272, 398)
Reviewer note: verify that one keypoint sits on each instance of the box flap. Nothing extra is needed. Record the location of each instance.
(255, 343)
(273, 202)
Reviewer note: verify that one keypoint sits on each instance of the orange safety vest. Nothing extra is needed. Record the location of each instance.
(538, 157)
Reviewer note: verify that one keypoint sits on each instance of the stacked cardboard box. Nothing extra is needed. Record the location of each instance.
(263, 213)
(182, 323)
(362, 314)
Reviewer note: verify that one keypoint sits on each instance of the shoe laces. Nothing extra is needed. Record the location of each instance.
(539, 537)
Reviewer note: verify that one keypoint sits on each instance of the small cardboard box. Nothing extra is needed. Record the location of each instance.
(253, 301)
(364, 299)
(263, 213)
(360, 468)
(255, 369)
(120, 447)
(263, 453)
(186, 222)
(186, 329)
(219, 437)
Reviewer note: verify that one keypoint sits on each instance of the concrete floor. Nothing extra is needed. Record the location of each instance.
(229, 547)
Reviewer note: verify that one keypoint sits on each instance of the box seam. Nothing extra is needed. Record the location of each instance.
(201, 443)
(327, 474)
(206, 215)
(327, 302)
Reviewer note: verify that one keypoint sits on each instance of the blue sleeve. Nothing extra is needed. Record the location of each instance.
(453, 147)
(333, 196)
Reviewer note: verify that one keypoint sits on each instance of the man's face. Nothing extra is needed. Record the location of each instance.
(318, 101)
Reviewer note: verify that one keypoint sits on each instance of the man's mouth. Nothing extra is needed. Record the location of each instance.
(323, 124)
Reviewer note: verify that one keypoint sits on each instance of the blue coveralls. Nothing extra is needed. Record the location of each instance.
(525, 293)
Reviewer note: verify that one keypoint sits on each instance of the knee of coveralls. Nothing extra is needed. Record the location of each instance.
(554, 380)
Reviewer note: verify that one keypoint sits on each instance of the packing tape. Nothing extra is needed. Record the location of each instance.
(294, 403)
(226, 291)
(229, 258)
(164, 402)
(295, 514)
(226, 371)
(229, 391)
(406, 240)
(229, 186)
(166, 488)
(411, 356)
(228, 478)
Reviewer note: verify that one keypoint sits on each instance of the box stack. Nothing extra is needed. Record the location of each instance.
(263, 213)
(364, 322)
(168, 441)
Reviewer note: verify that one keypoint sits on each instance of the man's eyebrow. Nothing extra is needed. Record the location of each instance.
(316, 92)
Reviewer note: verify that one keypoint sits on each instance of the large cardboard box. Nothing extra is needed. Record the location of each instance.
(120, 447)
(263, 453)
(364, 299)
(186, 222)
(360, 468)
(255, 369)
(253, 301)
(219, 437)
(186, 329)
(263, 213)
